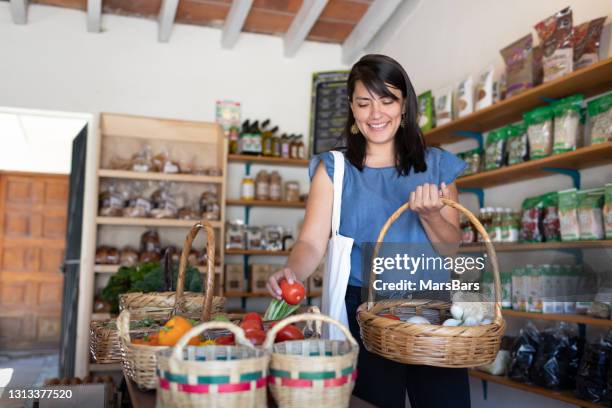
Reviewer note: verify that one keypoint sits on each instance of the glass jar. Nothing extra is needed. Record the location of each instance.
(247, 191)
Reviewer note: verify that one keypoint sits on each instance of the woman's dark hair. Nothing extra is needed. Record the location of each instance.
(375, 71)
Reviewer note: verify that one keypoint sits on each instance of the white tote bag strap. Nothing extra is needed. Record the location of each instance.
(338, 177)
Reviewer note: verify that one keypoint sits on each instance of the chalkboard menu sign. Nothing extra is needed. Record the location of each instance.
(328, 110)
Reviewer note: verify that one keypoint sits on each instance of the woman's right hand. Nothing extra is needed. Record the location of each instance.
(276, 277)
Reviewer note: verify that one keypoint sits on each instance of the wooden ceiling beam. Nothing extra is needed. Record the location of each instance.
(234, 22)
(373, 20)
(94, 16)
(167, 13)
(306, 17)
(19, 11)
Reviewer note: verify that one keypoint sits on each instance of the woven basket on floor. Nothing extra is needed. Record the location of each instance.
(140, 361)
(314, 372)
(161, 305)
(431, 344)
(213, 376)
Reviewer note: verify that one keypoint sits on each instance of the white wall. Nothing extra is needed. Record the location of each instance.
(442, 42)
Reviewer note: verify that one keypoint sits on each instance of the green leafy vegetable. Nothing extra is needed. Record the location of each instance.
(279, 309)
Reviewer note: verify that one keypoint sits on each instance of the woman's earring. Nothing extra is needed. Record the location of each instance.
(354, 129)
(403, 121)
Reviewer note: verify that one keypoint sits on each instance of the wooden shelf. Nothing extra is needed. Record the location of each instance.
(536, 246)
(582, 158)
(255, 252)
(245, 158)
(150, 222)
(99, 368)
(565, 396)
(251, 295)
(98, 268)
(267, 203)
(135, 175)
(589, 81)
(571, 318)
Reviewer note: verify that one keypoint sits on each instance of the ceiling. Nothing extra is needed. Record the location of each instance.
(273, 17)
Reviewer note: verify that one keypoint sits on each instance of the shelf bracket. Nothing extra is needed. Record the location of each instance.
(574, 174)
(472, 135)
(485, 389)
(548, 100)
(247, 168)
(245, 265)
(576, 252)
(479, 193)
(247, 214)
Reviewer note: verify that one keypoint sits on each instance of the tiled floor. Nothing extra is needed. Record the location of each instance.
(26, 369)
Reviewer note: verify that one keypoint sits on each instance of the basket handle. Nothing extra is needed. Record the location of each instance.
(239, 337)
(306, 317)
(210, 268)
(123, 326)
(472, 218)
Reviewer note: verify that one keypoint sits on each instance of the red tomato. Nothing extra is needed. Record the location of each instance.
(225, 340)
(289, 333)
(251, 325)
(390, 316)
(257, 337)
(253, 316)
(293, 293)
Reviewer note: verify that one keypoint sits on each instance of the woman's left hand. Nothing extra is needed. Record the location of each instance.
(425, 200)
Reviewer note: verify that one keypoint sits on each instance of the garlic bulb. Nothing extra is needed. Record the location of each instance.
(457, 311)
(451, 322)
(471, 321)
(417, 320)
(486, 321)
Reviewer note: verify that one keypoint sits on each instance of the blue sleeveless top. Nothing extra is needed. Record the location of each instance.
(370, 196)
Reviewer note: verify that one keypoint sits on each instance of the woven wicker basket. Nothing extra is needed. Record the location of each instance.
(140, 361)
(161, 305)
(431, 344)
(104, 341)
(213, 376)
(312, 373)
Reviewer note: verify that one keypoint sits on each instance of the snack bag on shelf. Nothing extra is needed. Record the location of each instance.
(520, 66)
(600, 116)
(586, 38)
(444, 106)
(518, 143)
(555, 34)
(465, 97)
(568, 215)
(483, 93)
(607, 210)
(530, 220)
(567, 127)
(495, 149)
(426, 111)
(540, 131)
(550, 217)
(590, 214)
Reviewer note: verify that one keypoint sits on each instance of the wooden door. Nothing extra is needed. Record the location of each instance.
(33, 211)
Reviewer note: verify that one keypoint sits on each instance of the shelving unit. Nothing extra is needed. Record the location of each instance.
(570, 318)
(537, 246)
(565, 396)
(245, 158)
(582, 158)
(266, 203)
(589, 81)
(121, 136)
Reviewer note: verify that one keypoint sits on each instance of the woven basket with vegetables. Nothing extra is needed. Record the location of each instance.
(313, 372)
(138, 353)
(224, 376)
(105, 345)
(162, 305)
(466, 340)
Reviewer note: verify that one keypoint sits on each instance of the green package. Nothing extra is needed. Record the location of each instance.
(495, 149)
(590, 214)
(607, 211)
(517, 145)
(539, 124)
(568, 215)
(426, 111)
(567, 127)
(600, 114)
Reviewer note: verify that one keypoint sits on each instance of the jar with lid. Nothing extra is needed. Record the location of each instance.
(285, 147)
(276, 182)
(247, 188)
(468, 235)
(292, 191)
(262, 186)
(300, 149)
(497, 225)
(276, 146)
(293, 148)
(288, 239)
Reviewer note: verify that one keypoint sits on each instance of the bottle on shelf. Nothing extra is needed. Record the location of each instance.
(300, 148)
(276, 190)
(276, 146)
(247, 191)
(285, 146)
(293, 147)
(244, 136)
(234, 136)
(497, 224)
(267, 140)
(256, 145)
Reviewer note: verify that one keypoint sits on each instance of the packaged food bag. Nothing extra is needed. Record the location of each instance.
(600, 116)
(550, 217)
(518, 143)
(495, 150)
(555, 34)
(540, 131)
(557, 358)
(568, 215)
(530, 220)
(523, 353)
(607, 210)
(586, 38)
(443, 106)
(483, 93)
(465, 97)
(520, 67)
(426, 111)
(567, 128)
(591, 381)
(590, 214)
